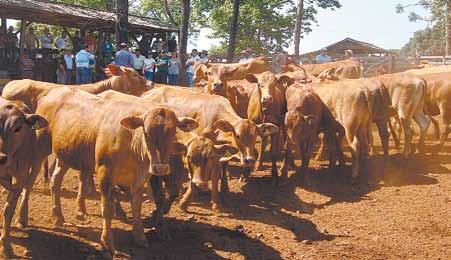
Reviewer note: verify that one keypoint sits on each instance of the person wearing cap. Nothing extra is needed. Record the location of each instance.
(82, 60)
(189, 67)
(124, 57)
(323, 57)
(204, 56)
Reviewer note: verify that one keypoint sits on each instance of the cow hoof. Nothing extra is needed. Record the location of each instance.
(21, 224)
(58, 222)
(80, 216)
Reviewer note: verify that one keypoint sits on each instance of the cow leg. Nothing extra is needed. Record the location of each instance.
(6, 250)
(81, 196)
(55, 190)
(394, 134)
(444, 136)
(259, 162)
(215, 202)
(46, 172)
(106, 200)
(423, 123)
(119, 212)
(159, 197)
(275, 149)
(22, 220)
(408, 133)
(138, 227)
(354, 144)
(287, 162)
(322, 148)
(436, 127)
(384, 135)
(184, 202)
(224, 178)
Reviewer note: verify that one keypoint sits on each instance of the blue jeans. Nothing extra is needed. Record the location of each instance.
(173, 79)
(189, 79)
(149, 75)
(84, 75)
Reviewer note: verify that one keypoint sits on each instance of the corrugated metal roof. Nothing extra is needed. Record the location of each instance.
(55, 13)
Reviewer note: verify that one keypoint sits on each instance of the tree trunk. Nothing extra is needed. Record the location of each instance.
(233, 30)
(448, 28)
(122, 22)
(298, 26)
(183, 36)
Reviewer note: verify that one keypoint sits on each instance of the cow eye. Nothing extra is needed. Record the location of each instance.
(17, 129)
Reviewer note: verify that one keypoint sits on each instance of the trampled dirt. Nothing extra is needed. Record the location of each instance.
(398, 209)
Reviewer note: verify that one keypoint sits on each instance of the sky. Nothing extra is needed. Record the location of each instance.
(373, 21)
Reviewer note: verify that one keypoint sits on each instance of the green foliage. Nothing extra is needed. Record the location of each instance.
(263, 24)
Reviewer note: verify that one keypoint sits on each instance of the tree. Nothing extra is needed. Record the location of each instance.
(441, 29)
(121, 22)
(233, 30)
(297, 26)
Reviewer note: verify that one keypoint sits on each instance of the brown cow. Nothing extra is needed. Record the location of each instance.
(122, 142)
(352, 109)
(308, 116)
(438, 101)
(202, 158)
(214, 113)
(407, 93)
(18, 150)
(344, 69)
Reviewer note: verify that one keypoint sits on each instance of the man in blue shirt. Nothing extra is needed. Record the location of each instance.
(323, 57)
(82, 59)
(124, 57)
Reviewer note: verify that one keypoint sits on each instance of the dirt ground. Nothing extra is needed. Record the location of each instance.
(397, 209)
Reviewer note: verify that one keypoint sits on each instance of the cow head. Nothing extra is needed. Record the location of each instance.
(217, 76)
(200, 72)
(15, 130)
(299, 127)
(127, 80)
(269, 85)
(245, 134)
(203, 158)
(159, 129)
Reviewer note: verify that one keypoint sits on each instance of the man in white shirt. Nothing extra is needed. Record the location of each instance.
(84, 73)
(148, 68)
(62, 42)
(46, 39)
(204, 56)
(138, 61)
(323, 57)
(189, 66)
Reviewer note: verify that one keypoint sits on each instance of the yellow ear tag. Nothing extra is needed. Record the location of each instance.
(36, 126)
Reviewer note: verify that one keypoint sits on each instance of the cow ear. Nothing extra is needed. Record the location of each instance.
(339, 70)
(187, 124)
(222, 149)
(114, 70)
(268, 129)
(36, 121)
(132, 122)
(224, 126)
(285, 80)
(251, 78)
(229, 71)
(179, 149)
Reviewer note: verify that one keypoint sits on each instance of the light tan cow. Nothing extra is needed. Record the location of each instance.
(202, 159)
(217, 119)
(18, 151)
(408, 93)
(122, 142)
(352, 109)
(344, 69)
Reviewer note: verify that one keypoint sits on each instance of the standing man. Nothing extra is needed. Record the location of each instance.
(46, 39)
(189, 66)
(11, 46)
(323, 57)
(280, 60)
(204, 56)
(138, 61)
(31, 42)
(91, 41)
(61, 69)
(123, 56)
(162, 68)
(77, 42)
(172, 44)
(82, 60)
(62, 42)
(69, 59)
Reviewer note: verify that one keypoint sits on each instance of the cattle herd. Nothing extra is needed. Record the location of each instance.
(137, 137)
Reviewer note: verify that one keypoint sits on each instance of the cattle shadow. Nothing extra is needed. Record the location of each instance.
(185, 240)
(46, 244)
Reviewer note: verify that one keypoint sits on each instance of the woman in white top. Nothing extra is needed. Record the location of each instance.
(148, 68)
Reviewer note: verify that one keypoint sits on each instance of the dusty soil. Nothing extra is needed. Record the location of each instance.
(398, 209)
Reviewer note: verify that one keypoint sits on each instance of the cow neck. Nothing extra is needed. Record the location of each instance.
(98, 87)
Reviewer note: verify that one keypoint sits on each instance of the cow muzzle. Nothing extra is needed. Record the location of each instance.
(159, 169)
(218, 86)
